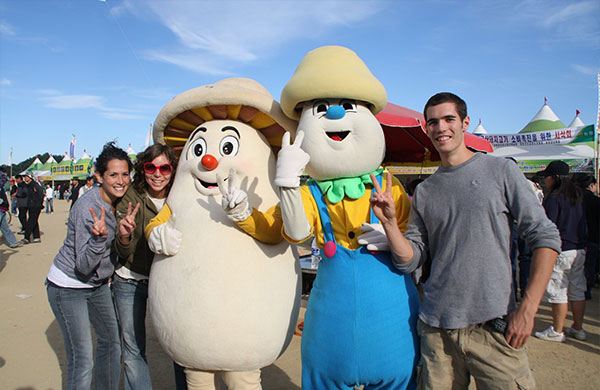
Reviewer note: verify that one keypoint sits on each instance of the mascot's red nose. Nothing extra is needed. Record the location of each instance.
(209, 162)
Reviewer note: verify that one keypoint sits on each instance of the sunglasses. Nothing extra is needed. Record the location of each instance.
(164, 169)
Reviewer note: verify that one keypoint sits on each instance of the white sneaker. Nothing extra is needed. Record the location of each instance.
(551, 335)
(578, 334)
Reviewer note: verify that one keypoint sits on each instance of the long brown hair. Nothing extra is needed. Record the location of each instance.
(151, 152)
(563, 185)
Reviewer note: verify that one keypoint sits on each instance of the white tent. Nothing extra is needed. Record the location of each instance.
(545, 119)
(480, 129)
(576, 122)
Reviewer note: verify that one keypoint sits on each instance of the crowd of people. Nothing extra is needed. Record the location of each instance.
(469, 309)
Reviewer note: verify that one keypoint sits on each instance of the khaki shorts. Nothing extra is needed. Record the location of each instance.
(449, 358)
(567, 282)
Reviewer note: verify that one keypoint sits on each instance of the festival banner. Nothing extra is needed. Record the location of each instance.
(566, 136)
(534, 151)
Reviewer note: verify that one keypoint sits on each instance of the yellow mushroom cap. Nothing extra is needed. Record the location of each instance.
(240, 99)
(332, 72)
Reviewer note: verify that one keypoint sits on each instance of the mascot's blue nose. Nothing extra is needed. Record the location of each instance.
(335, 112)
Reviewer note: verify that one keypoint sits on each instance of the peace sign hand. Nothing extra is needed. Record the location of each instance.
(382, 202)
(127, 225)
(291, 161)
(99, 227)
(234, 201)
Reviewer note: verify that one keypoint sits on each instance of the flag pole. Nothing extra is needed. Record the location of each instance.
(10, 161)
(596, 141)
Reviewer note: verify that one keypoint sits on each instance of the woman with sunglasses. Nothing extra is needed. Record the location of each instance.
(154, 172)
(77, 283)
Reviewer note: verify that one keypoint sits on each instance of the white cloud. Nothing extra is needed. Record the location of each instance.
(191, 61)
(7, 29)
(570, 13)
(588, 70)
(70, 102)
(214, 37)
(80, 102)
(5, 82)
(570, 23)
(120, 115)
(49, 92)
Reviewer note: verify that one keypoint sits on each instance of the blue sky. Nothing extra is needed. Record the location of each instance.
(102, 70)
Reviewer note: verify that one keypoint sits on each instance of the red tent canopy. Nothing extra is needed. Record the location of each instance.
(406, 138)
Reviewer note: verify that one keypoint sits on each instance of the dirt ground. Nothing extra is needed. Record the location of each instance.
(32, 355)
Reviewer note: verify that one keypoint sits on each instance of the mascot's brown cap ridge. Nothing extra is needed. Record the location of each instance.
(239, 99)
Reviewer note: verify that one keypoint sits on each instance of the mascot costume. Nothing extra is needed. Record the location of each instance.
(360, 322)
(220, 300)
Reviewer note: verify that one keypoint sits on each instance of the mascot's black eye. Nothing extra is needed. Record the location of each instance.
(229, 146)
(197, 149)
(348, 105)
(320, 107)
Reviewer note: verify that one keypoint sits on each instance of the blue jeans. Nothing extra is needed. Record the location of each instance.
(49, 206)
(9, 236)
(75, 309)
(130, 300)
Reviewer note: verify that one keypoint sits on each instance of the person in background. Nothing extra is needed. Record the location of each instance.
(89, 183)
(564, 207)
(49, 199)
(35, 203)
(525, 252)
(77, 282)
(154, 173)
(13, 196)
(411, 186)
(62, 188)
(591, 206)
(21, 197)
(9, 236)
(75, 186)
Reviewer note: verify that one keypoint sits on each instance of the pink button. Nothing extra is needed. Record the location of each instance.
(329, 249)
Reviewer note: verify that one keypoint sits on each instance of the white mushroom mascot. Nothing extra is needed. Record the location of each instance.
(220, 300)
(359, 327)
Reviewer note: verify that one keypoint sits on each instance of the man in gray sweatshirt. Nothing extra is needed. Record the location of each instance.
(461, 217)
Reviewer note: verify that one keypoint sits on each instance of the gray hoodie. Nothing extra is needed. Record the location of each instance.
(84, 256)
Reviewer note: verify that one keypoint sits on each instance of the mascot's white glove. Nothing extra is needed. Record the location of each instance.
(234, 201)
(373, 237)
(291, 161)
(165, 239)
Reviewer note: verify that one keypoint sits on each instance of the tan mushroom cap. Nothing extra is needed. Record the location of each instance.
(332, 72)
(240, 99)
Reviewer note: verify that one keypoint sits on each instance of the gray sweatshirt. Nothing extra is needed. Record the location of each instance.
(84, 256)
(462, 217)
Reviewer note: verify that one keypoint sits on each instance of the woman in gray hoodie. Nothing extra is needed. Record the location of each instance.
(77, 283)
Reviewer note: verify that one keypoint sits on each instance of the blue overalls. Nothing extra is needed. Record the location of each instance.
(360, 322)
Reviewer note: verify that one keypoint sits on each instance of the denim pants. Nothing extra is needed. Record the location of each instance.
(75, 309)
(49, 206)
(9, 236)
(130, 300)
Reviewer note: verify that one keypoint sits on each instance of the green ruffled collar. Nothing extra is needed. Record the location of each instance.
(353, 187)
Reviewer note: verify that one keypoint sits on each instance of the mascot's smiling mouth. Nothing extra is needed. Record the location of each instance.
(208, 185)
(337, 135)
